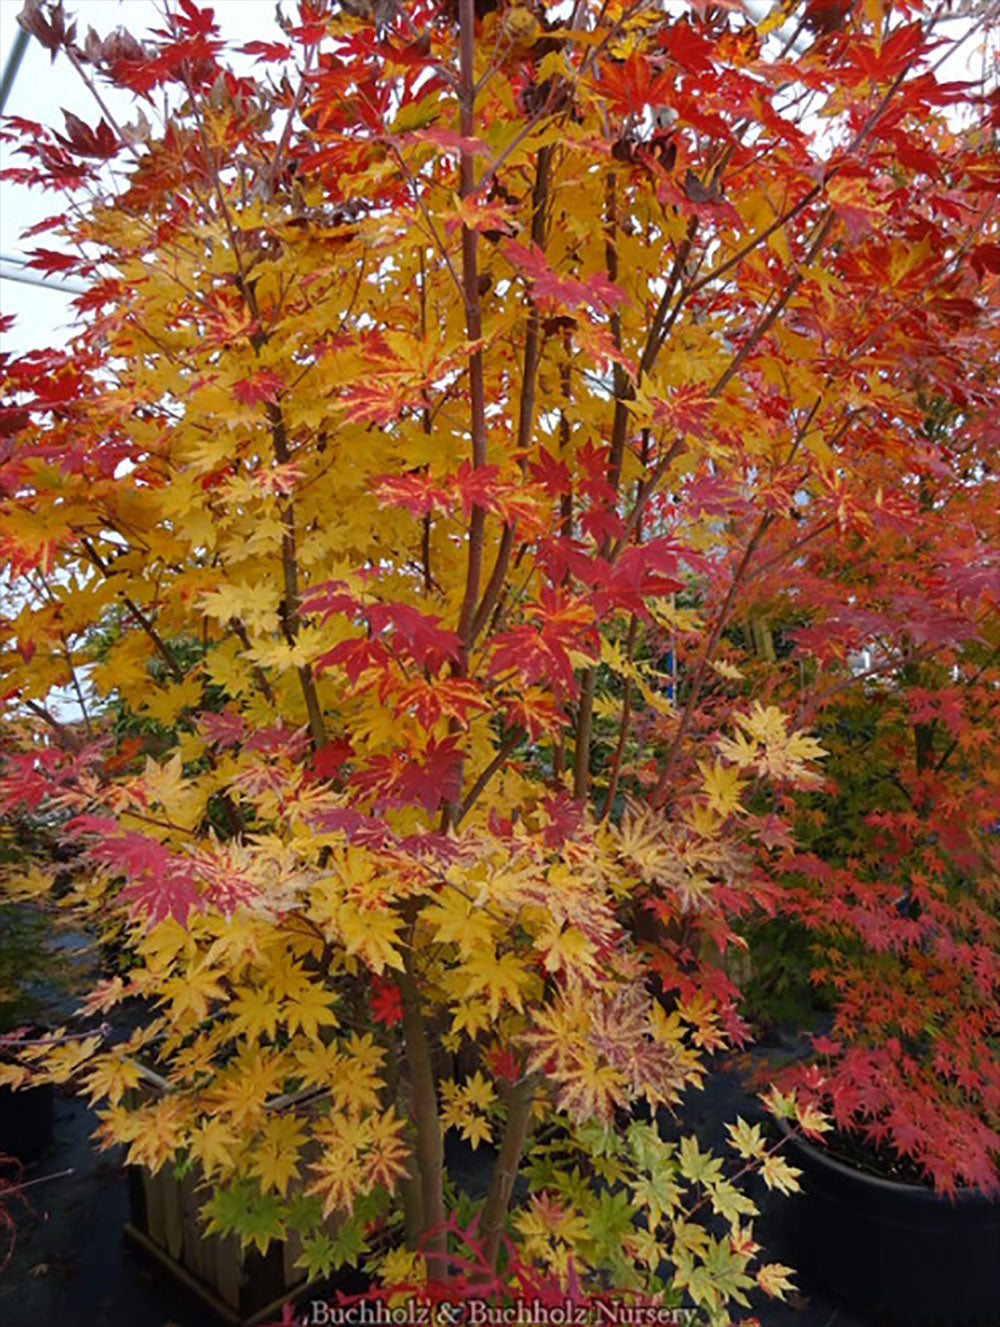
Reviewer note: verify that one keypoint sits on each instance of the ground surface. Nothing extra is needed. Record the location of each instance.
(72, 1268)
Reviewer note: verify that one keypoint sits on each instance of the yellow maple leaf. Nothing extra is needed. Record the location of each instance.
(255, 1012)
(722, 785)
(371, 933)
(160, 1130)
(112, 1076)
(778, 1174)
(500, 978)
(214, 1145)
(275, 1152)
(775, 1280)
(309, 1009)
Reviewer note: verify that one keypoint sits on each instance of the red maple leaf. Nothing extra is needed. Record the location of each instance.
(503, 1064)
(161, 884)
(263, 386)
(400, 778)
(553, 288)
(80, 138)
(384, 1001)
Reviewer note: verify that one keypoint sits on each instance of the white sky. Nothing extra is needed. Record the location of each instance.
(40, 93)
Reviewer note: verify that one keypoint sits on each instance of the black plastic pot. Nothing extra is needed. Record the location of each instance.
(26, 1122)
(896, 1254)
(26, 1115)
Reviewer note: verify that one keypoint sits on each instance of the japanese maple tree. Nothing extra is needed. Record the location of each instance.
(446, 380)
(895, 874)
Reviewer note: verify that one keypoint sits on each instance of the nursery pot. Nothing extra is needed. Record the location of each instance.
(899, 1255)
(26, 1115)
(242, 1286)
(26, 1121)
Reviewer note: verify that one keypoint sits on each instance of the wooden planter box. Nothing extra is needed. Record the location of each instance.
(243, 1287)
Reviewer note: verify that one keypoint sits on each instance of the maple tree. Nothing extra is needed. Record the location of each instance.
(446, 388)
(894, 875)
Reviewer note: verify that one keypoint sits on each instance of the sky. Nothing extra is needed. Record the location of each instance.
(41, 91)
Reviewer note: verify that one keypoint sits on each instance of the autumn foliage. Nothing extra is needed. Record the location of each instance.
(490, 437)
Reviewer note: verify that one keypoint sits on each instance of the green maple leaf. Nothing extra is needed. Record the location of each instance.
(241, 1209)
(609, 1220)
(318, 1256)
(263, 1222)
(227, 1205)
(305, 1212)
(349, 1243)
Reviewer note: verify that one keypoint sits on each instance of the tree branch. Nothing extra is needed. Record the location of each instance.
(427, 1123)
(505, 1168)
(473, 316)
(526, 405)
(472, 796)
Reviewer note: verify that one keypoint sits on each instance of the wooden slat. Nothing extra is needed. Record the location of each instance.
(198, 1253)
(155, 1220)
(228, 1269)
(173, 1227)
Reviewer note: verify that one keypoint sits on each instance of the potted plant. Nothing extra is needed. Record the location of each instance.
(893, 882)
(414, 389)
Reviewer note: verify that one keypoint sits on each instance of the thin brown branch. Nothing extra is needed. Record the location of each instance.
(66, 735)
(473, 317)
(290, 573)
(626, 718)
(526, 404)
(475, 792)
(164, 651)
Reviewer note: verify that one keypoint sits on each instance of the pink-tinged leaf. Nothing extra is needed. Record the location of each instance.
(356, 657)
(477, 486)
(427, 643)
(160, 884)
(264, 386)
(550, 288)
(278, 740)
(685, 410)
(565, 817)
(222, 729)
(328, 598)
(377, 402)
(479, 215)
(450, 141)
(417, 494)
(223, 885)
(277, 480)
(400, 779)
(356, 827)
